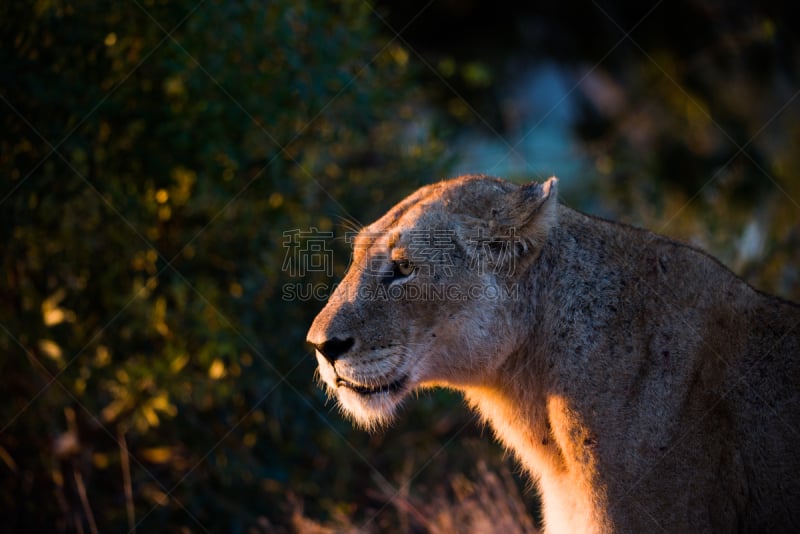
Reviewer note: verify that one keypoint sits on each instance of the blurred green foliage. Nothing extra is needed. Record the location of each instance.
(153, 155)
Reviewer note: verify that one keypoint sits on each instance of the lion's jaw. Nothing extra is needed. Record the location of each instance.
(367, 393)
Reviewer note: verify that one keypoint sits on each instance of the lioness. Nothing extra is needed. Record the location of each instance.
(643, 385)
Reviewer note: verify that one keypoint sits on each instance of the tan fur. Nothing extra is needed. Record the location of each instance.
(642, 384)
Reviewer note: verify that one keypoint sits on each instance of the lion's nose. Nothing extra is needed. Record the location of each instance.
(333, 348)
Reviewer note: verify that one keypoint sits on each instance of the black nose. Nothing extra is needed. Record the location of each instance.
(333, 348)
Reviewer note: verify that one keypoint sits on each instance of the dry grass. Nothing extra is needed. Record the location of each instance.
(488, 502)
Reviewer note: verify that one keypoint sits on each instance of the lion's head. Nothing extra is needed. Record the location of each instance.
(434, 295)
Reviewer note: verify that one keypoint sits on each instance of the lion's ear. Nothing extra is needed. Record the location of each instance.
(510, 236)
(526, 215)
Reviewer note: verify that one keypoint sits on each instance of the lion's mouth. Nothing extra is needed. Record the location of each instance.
(391, 387)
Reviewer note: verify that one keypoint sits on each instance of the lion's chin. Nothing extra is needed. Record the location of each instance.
(368, 391)
(371, 408)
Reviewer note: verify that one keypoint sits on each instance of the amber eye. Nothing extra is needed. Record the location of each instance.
(403, 267)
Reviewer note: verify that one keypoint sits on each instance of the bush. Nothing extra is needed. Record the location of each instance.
(157, 152)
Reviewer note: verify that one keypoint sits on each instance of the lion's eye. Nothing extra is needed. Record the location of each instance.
(403, 268)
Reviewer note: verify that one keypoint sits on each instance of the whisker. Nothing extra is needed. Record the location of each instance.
(349, 223)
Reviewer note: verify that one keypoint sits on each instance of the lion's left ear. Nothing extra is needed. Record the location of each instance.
(526, 215)
(510, 236)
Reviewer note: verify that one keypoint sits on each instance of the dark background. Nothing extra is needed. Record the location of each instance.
(154, 157)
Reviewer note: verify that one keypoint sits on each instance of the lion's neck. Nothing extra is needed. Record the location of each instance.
(520, 402)
(520, 425)
(513, 399)
(521, 422)
(530, 422)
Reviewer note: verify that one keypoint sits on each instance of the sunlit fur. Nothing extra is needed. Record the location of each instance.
(375, 411)
(643, 385)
